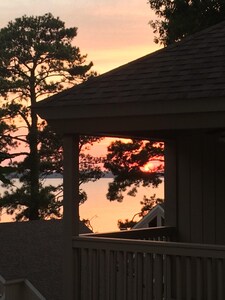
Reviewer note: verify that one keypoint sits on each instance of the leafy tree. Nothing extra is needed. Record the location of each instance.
(180, 18)
(147, 205)
(37, 59)
(127, 161)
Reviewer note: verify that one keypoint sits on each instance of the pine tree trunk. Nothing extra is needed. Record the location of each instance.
(34, 170)
(34, 160)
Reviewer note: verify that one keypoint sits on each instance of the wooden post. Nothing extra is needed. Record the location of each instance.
(70, 212)
(170, 183)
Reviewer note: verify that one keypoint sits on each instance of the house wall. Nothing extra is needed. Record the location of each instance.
(195, 188)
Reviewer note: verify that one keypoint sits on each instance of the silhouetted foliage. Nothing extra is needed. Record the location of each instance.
(6, 143)
(126, 161)
(37, 59)
(180, 18)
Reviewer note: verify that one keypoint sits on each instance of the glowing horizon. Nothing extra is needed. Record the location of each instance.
(111, 33)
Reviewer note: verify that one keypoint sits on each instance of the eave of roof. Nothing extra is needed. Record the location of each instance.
(185, 78)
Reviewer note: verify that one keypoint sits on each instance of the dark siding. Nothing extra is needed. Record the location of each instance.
(201, 189)
(183, 190)
(209, 189)
(196, 216)
(220, 193)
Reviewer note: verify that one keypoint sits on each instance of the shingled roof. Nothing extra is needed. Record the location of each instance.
(33, 251)
(187, 77)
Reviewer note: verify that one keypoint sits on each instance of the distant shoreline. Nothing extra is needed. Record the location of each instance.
(59, 176)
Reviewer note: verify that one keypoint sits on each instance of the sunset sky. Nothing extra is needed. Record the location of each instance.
(111, 32)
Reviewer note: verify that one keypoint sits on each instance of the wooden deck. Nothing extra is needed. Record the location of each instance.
(129, 268)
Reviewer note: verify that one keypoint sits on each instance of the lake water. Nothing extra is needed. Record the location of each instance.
(103, 213)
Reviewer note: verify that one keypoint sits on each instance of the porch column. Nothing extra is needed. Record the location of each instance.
(170, 183)
(70, 211)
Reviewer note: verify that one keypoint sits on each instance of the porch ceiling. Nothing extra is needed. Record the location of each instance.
(176, 89)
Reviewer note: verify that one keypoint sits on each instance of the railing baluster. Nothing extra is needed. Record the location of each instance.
(134, 275)
(149, 276)
(107, 275)
(199, 274)
(101, 274)
(77, 272)
(94, 273)
(220, 279)
(129, 261)
(145, 271)
(209, 279)
(113, 267)
(139, 275)
(158, 277)
(188, 279)
(84, 272)
(168, 278)
(120, 274)
(89, 272)
(125, 275)
(178, 278)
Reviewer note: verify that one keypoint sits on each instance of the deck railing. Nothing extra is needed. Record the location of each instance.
(164, 233)
(125, 269)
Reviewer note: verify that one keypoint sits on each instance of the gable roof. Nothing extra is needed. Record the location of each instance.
(158, 210)
(185, 78)
(33, 250)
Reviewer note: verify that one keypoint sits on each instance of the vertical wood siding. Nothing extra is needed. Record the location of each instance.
(201, 189)
(219, 211)
(183, 190)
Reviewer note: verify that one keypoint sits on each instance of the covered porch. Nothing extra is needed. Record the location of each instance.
(184, 259)
(176, 95)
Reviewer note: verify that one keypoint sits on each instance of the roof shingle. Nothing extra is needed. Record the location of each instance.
(192, 68)
(178, 88)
